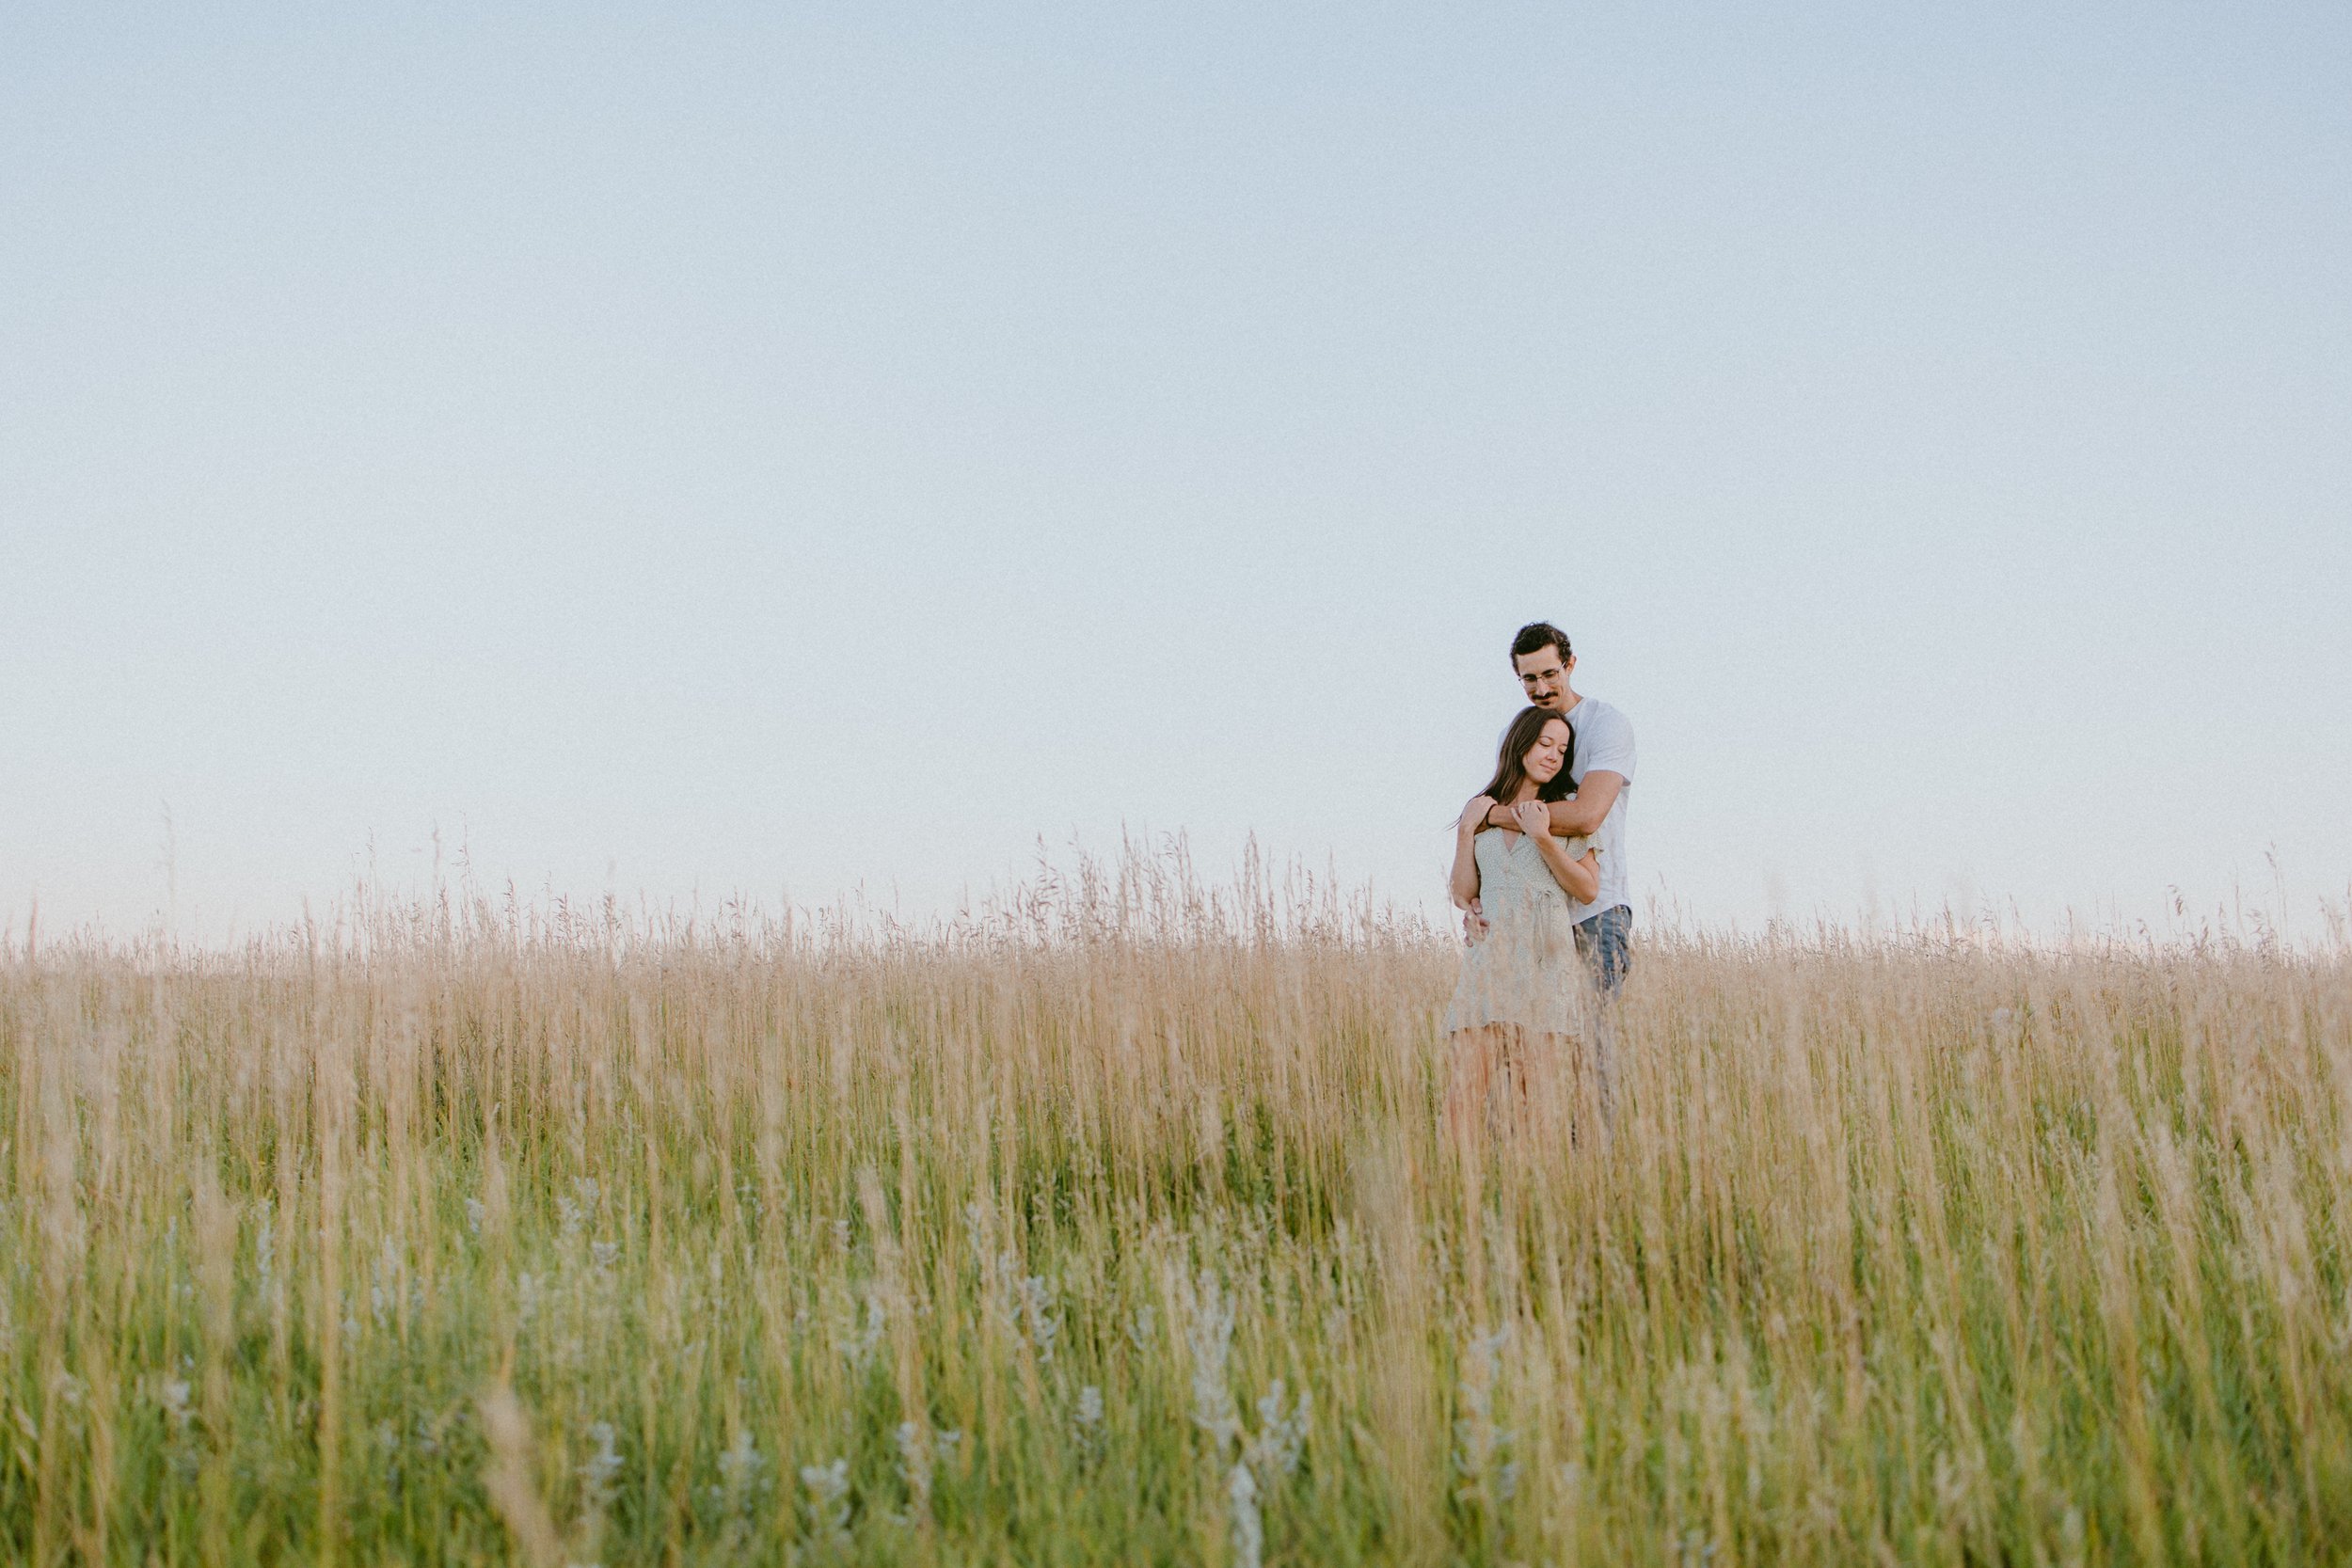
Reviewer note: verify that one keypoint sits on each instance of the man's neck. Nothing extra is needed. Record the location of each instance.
(1568, 701)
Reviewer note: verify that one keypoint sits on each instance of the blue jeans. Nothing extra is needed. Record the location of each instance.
(1601, 943)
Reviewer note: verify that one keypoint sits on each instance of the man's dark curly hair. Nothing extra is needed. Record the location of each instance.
(1539, 634)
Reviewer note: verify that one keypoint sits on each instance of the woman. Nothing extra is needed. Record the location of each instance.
(1521, 1003)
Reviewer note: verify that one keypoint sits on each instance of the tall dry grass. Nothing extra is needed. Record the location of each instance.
(1119, 1225)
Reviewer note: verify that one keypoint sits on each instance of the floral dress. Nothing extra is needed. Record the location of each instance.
(1525, 970)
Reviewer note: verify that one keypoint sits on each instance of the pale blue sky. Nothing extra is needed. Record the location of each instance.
(704, 450)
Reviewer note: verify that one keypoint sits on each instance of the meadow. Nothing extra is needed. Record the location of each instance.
(1120, 1223)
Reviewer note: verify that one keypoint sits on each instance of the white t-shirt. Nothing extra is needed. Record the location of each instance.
(1604, 741)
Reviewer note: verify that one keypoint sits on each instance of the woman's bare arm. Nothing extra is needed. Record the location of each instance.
(1463, 883)
(1579, 878)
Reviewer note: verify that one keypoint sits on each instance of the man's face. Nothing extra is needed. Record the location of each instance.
(1544, 677)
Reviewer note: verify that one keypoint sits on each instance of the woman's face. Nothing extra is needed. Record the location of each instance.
(1549, 750)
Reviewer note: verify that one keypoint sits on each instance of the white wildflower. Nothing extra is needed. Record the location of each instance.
(475, 1214)
(173, 1395)
(1024, 1304)
(915, 1468)
(1042, 1323)
(1695, 1550)
(1479, 1444)
(1241, 1494)
(740, 1466)
(597, 1475)
(829, 1498)
(858, 1345)
(1209, 1333)
(575, 1211)
(1281, 1437)
(600, 1469)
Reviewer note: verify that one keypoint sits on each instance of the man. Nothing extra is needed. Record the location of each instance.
(1603, 771)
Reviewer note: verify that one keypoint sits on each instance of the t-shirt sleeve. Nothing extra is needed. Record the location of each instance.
(1606, 743)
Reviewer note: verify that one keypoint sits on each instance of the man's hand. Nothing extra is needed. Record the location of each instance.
(1473, 924)
(1534, 818)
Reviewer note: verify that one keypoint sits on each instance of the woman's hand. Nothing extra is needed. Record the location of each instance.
(1474, 814)
(1534, 819)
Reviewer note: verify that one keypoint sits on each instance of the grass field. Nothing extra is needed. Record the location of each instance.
(1120, 1225)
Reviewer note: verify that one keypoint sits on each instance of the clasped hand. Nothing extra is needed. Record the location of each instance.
(1532, 817)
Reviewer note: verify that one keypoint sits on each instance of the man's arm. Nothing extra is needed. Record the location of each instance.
(1577, 818)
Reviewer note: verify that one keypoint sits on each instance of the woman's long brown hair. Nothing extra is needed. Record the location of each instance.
(1526, 728)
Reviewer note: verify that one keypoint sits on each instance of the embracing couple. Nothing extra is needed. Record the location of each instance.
(1539, 871)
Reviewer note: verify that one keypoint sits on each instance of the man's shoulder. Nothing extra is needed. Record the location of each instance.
(1604, 741)
(1596, 713)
